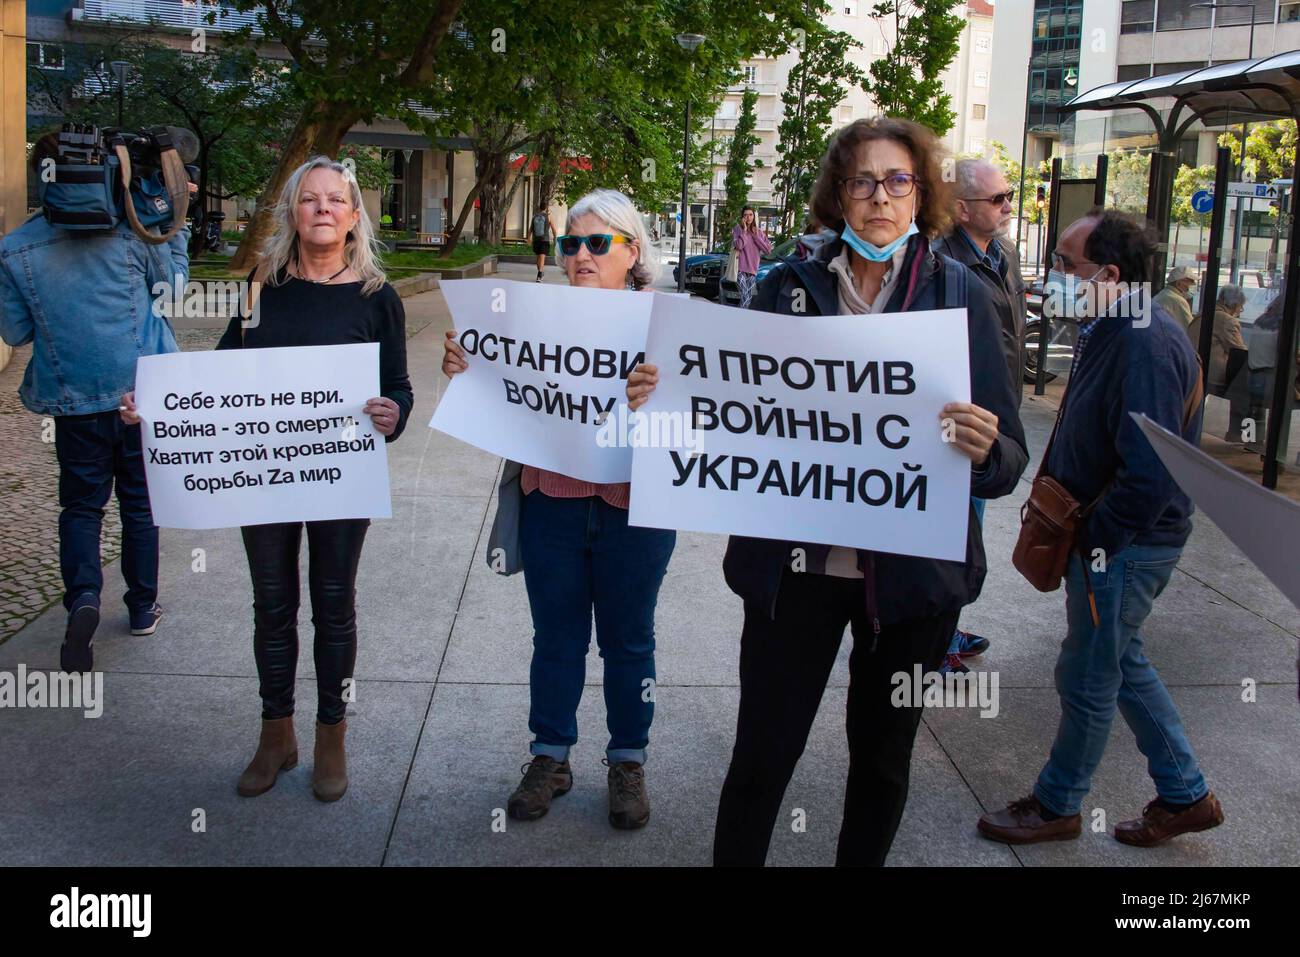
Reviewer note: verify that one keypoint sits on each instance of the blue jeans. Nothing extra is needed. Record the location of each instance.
(1101, 668)
(580, 554)
(96, 452)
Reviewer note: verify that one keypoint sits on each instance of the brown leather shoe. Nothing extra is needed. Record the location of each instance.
(1158, 824)
(629, 802)
(277, 750)
(1022, 823)
(544, 779)
(329, 773)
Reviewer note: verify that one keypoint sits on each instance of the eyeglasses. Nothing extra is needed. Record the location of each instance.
(897, 185)
(598, 243)
(1008, 197)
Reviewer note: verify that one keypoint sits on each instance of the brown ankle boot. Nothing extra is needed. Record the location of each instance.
(329, 775)
(277, 750)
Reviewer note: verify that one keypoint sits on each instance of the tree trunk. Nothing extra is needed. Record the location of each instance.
(320, 131)
(548, 171)
(454, 236)
(510, 197)
(493, 168)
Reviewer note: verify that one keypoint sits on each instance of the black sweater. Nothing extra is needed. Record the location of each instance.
(302, 313)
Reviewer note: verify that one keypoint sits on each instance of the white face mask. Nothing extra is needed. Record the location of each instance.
(1062, 293)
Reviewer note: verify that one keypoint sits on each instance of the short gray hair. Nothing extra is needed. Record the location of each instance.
(1231, 296)
(617, 211)
(968, 172)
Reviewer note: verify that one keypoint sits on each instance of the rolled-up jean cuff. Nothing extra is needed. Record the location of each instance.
(1038, 793)
(559, 752)
(619, 755)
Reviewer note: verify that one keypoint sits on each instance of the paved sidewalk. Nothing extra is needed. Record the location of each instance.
(439, 730)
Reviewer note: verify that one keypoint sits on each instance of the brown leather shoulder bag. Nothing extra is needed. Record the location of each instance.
(1051, 517)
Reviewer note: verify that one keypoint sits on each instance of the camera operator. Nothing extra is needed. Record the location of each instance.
(84, 299)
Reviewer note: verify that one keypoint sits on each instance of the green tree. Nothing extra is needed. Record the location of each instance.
(1270, 149)
(604, 87)
(231, 101)
(353, 61)
(907, 80)
(816, 84)
(739, 165)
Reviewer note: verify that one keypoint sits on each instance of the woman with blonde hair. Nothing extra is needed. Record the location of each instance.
(324, 286)
(581, 556)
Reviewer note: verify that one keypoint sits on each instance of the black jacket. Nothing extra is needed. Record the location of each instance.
(1007, 292)
(905, 586)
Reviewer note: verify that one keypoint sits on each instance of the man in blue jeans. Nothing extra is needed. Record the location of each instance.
(84, 299)
(1131, 357)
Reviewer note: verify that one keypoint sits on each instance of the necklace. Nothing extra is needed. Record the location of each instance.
(321, 281)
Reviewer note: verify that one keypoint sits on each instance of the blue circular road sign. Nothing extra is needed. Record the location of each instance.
(1202, 201)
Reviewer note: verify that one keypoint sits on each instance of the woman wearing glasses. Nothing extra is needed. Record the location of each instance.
(750, 244)
(579, 556)
(881, 190)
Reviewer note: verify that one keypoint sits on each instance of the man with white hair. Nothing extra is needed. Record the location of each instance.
(1176, 297)
(979, 240)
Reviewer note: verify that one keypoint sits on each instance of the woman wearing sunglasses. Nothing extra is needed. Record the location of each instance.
(579, 556)
(881, 190)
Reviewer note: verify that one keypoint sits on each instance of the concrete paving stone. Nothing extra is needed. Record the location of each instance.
(1246, 752)
(122, 789)
(476, 739)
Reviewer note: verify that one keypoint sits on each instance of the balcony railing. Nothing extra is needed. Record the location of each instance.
(178, 14)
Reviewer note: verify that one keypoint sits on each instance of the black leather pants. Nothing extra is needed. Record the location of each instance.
(334, 549)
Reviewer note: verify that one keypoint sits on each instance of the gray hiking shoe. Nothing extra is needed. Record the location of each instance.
(544, 778)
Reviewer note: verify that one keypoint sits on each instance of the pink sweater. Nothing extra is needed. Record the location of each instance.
(563, 486)
(750, 246)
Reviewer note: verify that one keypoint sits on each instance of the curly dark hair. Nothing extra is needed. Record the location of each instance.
(934, 217)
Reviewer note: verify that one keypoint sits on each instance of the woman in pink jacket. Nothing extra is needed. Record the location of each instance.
(750, 244)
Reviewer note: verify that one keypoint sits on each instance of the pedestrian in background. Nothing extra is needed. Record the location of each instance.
(750, 244)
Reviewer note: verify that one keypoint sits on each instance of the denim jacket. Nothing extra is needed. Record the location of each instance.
(85, 300)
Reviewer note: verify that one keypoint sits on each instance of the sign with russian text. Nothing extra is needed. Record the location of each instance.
(251, 436)
(818, 429)
(548, 365)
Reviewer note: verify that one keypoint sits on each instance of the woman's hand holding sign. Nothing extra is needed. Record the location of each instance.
(453, 359)
(973, 430)
(384, 413)
(640, 384)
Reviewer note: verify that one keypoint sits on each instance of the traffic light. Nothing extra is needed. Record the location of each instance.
(1041, 201)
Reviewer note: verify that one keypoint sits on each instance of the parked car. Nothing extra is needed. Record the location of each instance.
(705, 270)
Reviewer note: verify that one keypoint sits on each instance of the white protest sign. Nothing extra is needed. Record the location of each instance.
(821, 429)
(547, 365)
(251, 436)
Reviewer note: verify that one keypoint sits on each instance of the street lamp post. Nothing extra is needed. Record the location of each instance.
(688, 42)
(119, 71)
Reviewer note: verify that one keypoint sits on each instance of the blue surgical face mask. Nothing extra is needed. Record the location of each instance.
(872, 252)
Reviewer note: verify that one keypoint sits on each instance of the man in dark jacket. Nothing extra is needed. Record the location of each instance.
(979, 241)
(1131, 357)
(982, 211)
